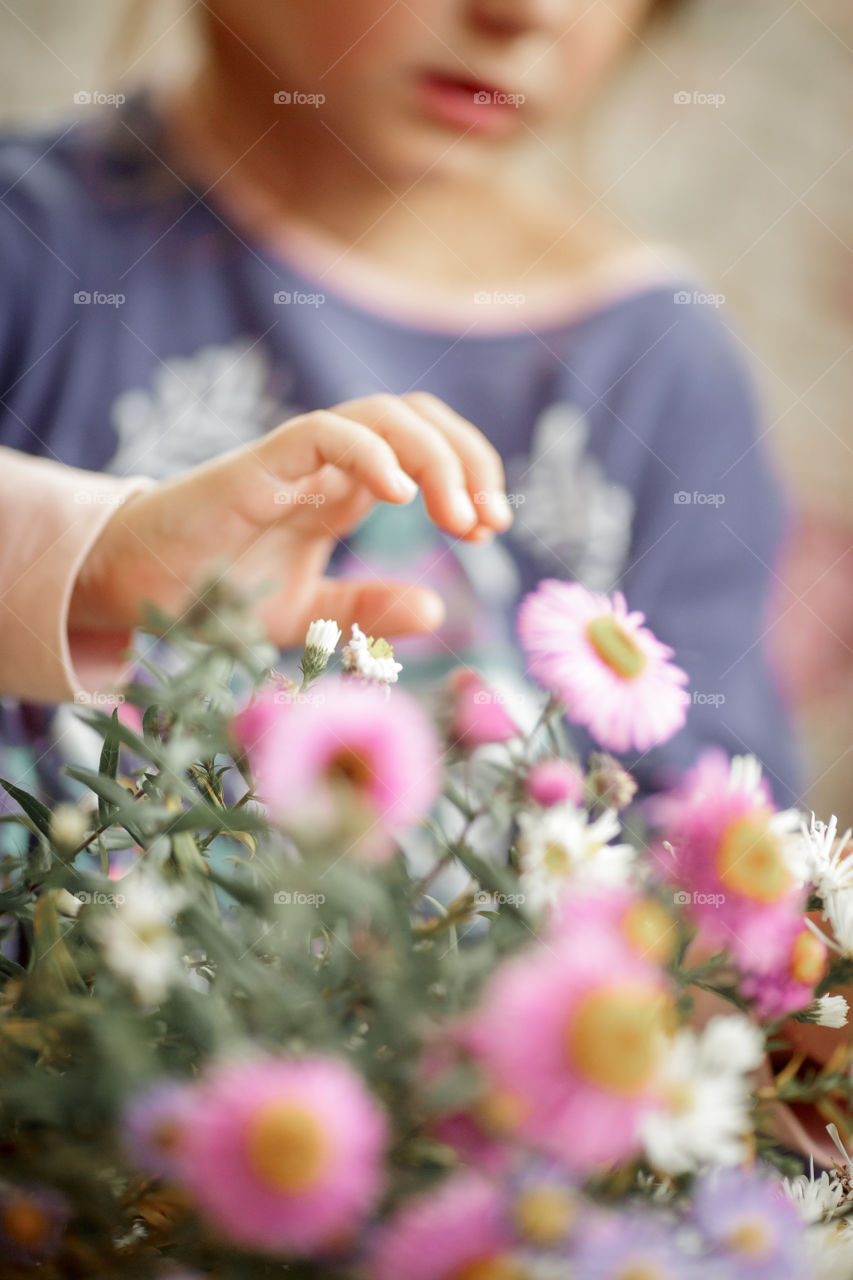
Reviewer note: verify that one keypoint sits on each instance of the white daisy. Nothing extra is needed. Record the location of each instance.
(320, 643)
(560, 846)
(704, 1116)
(324, 635)
(829, 859)
(136, 936)
(370, 659)
(817, 1199)
(829, 1011)
(838, 910)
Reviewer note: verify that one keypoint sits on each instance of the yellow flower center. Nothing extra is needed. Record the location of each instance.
(808, 958)
(490, 1268)
(750, 860)
(614, 1038)
(499, 1112)
(351, 767)
(557, 860)
(25, 1223)
(641, 1271)
(650, 930)
(616, 647)
(287, 1148)
(545, 1214)
(752, 1238)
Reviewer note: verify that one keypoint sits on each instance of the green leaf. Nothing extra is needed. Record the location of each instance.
(125, 812)
(37, 812)
(108, 767)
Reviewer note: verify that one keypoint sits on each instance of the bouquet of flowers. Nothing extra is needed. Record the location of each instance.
(307, 982)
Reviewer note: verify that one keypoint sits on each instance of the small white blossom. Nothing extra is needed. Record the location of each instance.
(731, 1042)
(830, 1252)
(817, 1199)
(560, 846)
(370, 659)
(829, 1011)
(838, 910)
(323, 635)
(136, 936)
(828, 858)
(704, 1116)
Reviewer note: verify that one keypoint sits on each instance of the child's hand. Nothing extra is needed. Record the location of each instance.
(271, 513)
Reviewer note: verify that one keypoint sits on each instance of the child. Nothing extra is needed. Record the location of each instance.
(331, 209)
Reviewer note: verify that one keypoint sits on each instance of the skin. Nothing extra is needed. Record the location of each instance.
(274, 510)
(411, 182)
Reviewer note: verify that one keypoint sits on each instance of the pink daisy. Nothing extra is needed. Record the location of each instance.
(649, 931)
(729, 850)
(577, 1029)
(612, 674)
(284, 1155)
(790, 985)
(554, 781)
(459, 1231)
(345, 759)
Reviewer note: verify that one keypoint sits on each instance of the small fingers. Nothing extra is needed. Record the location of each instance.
(483, 465)
(431, 453)
(303, 446)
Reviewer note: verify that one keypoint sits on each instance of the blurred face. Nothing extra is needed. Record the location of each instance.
(421, 84)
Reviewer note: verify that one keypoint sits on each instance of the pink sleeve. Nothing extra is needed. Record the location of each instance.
(50, 517)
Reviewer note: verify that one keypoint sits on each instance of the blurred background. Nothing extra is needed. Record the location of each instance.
(727, 133)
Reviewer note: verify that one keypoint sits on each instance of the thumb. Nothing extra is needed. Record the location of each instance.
(379, 608)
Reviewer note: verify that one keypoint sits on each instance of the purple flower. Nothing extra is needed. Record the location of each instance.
(611, 1248)
(748, 1220)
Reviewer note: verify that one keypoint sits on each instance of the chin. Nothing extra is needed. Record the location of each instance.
(425, 151)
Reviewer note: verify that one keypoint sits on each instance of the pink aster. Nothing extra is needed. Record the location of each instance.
(789, 985)
(343, 757)
(577, 1029)
(478, 715)
(457, 1231)
(554, 781)
(730, 857)
(612, 674)
(284, 1155)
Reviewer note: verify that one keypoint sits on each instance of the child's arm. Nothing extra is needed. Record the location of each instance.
(50, 518)
(82, 568)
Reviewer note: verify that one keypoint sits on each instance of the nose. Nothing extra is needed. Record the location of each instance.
(509, 18)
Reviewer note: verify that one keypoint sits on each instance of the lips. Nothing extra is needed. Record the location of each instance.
(469, 104)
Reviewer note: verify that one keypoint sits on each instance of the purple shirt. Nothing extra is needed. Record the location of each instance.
(142, 333)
